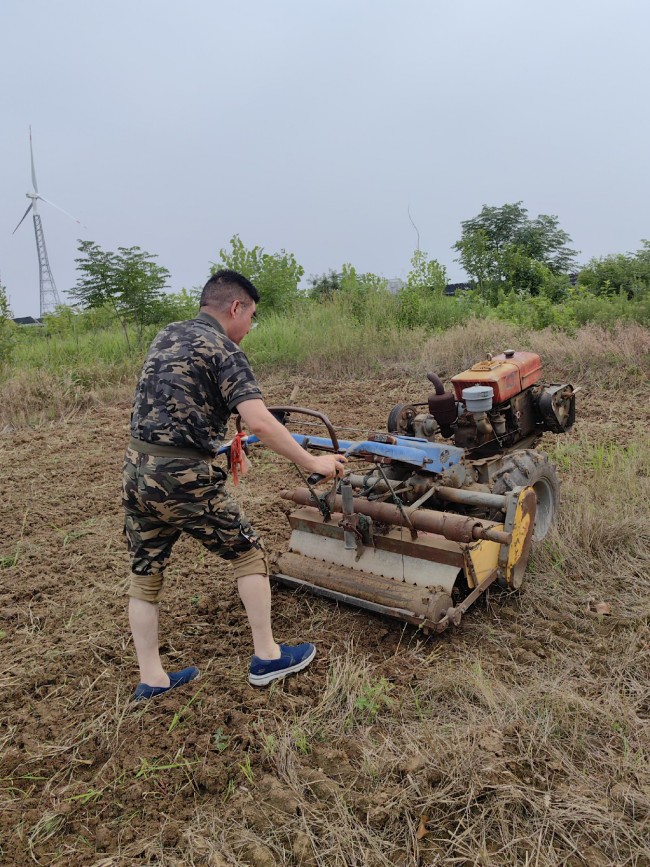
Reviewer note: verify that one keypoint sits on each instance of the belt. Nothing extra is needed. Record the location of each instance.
(160, 451)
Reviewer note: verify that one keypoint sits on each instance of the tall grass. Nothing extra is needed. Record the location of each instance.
(39, 349)
(353, 335)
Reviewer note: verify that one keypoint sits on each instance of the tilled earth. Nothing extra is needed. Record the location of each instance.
(220, 773)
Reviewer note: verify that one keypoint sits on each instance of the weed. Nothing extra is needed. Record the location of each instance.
(269, 745)
(299, 737)
(46, 827)
(230, 790)
(150, 770)
(91, 796)
(246, 769)
(183, 711)
(374, 697)
(8, 562)
(71, 535)
(220, 740)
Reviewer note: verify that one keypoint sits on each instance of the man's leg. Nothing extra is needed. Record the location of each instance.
(255, 593)
(271, 661)
(143, 619)
(225, 531)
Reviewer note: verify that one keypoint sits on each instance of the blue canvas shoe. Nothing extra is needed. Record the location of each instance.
(292, 659)
(176, 678)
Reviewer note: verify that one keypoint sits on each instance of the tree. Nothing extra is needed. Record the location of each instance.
(276, 275)
(326, 286)
(7, 328)
(621, 272)
(174, 306)
(128, 282)
(501, 244)
(426, 275)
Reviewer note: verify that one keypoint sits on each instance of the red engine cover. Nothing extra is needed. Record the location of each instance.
(507, 376)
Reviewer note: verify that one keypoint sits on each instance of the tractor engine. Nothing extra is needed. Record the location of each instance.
(496, 404)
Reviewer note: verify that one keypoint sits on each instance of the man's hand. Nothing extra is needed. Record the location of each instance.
(259, 421)
(328, 466)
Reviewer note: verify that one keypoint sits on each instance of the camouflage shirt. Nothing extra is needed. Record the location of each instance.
(191, 381)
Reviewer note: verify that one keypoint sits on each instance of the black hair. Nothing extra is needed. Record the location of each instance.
(226, 286)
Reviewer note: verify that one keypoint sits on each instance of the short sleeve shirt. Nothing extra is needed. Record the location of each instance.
(193, 378)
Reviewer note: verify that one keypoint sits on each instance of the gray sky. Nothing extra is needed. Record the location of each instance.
(312, 126)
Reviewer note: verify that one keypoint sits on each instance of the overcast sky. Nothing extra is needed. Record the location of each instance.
(313, 125)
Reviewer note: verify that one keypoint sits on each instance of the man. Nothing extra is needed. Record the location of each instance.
(193, 378)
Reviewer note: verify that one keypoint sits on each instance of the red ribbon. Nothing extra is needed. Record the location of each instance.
(237, 456)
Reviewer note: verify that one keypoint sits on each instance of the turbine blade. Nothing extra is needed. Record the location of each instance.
(47, 201)
(31, 151)
(23, 217)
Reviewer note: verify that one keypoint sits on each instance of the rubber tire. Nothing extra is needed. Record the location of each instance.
(394, 415)
(530, 467)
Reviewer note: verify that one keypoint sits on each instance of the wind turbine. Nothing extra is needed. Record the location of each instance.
(48, 294)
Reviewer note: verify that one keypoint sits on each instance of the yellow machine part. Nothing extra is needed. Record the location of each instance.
(522, 537)
(481, 559)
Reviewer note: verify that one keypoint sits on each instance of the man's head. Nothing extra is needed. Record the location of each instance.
(231, 298)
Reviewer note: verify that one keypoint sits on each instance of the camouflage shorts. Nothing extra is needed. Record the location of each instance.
(164, 497)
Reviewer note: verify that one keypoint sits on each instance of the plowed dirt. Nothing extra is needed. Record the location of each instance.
(219, 773)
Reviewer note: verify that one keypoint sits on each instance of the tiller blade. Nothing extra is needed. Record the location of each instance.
(404, 564)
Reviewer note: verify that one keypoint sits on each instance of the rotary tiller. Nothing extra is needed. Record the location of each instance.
(446, 503)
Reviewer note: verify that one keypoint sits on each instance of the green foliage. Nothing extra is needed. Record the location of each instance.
(529, 276)
(276, 275)
(349, 323)
(220, 740)
(502, 249)
(247, 769)
(621, 272)
(325, 287)
(373, 698)
(176, 306)
(128, 282)
(360, 293)
(422, 299)
(7, 329)
(426, 275)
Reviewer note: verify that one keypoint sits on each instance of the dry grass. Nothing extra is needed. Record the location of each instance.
(35, 397)
(593, 356)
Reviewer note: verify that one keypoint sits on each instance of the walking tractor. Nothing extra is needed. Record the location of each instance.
(440, 507)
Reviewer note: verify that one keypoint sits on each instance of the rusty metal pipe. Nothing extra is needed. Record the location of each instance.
(450, 495)
(455, 527)
(470, 498)
(437, 382)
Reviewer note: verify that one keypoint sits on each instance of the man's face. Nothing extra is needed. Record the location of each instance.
(241, 321)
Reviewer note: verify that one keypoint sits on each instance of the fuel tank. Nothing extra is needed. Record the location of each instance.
(507, 374)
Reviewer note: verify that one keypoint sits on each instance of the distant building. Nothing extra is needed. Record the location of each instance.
(452, 288)
(27, 320)
(395, 284)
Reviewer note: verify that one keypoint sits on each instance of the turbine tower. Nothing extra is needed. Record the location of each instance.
(49, 297)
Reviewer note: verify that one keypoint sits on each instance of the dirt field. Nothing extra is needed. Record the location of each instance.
(521, 738)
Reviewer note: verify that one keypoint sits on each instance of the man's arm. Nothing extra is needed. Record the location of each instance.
(275, 436)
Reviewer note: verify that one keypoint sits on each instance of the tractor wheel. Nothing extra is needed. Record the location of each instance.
(400, 419)
(530, 467)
